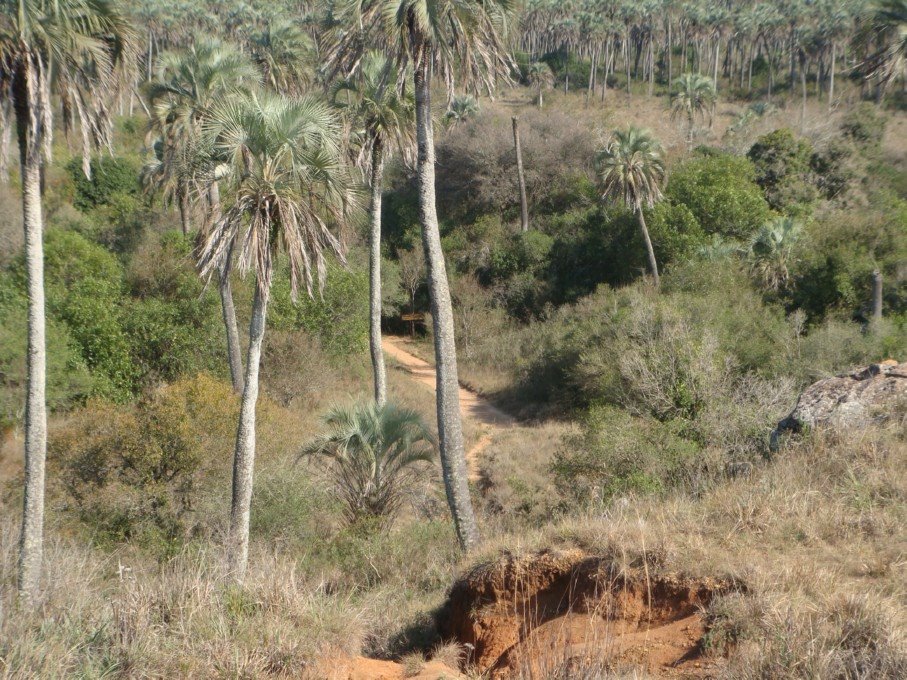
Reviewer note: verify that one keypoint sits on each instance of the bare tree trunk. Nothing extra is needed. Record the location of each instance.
(524, 205)
(31, 542)
(876, 296)
(803, 89)
(590, 92)
(375, 275)
(228, 310)
(450, 428)
(244, 454)
(831, 78)
(653, 265)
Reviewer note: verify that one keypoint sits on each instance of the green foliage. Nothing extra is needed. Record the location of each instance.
(68, 378)
(864, 124)
(832, 169)
(109, 176)
(338, 317)
(782, 165)
(674, 231)
(722, 194)
(523, 252)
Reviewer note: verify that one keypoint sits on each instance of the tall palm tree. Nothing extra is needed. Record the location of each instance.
(371, 449)
(541, 78)
(694, 95)
(81, 40)
(181, 96)
(889, 28)
(387, 116)
(630, 169)
(288, 183)
(285, 54)
(447, 39)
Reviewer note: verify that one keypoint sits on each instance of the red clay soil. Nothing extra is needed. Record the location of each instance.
(525, 617)
(362, 668)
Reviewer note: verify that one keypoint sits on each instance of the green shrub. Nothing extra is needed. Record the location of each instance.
(132, 473)
(618, 453)
(833, 169)
(782, 165)
(721, 193)
(523, 252)
(109, 176)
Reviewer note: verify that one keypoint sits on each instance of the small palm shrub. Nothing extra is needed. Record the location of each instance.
(371, 453)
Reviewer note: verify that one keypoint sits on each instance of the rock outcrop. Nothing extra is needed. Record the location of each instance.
(867, 395)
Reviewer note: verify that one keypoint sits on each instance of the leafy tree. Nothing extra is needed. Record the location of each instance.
(694, 96)
(79, 42)
(437, 38)
(782, 165)
(630, 169)
(108, 178)
(721, 192)
(371, 450)
(288, 180)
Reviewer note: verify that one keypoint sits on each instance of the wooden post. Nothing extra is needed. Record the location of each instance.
(524, 205)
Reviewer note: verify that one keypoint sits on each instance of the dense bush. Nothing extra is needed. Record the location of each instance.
(782, 165)
(110, 177)
(721, 192)
(132, 473)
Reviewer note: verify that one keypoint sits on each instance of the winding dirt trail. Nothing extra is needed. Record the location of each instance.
(483, 413)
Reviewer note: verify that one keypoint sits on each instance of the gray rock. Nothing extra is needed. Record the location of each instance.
(853, 400)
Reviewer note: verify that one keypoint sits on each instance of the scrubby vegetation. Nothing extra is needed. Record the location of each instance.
(712, 198)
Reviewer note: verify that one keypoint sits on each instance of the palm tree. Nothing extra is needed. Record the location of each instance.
(371, 449)
(181, 97)
(889, 27)
(694, 95)
(81, 40)
(443, 38)
(284, 53)
(387, 117)
(461, 108)
(541, 78)
(288, 182)
(771, 251)
(630, 169)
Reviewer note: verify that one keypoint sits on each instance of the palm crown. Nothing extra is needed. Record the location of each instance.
(630, 168)
(291, 181)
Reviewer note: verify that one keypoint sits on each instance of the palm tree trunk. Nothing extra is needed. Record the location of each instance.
(228, 310)
(6, 137)
(876, 297)
(244, 454)
(521, 178)
(375, 275)
(653, 265)
(450, 429)
(183, 200)
(831, 78)
(31, 542)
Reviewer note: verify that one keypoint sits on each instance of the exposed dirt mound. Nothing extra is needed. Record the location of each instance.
(535, 616)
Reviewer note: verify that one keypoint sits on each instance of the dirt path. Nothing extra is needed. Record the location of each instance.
(488, 417)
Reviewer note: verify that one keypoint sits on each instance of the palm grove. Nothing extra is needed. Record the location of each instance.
(271, 137)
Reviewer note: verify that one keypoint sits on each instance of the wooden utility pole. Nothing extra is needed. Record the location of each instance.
(524, 205)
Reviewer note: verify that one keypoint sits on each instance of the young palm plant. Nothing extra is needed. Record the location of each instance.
(694, 96)
(288, 183)
(461, 109)
(443, 38)
(630, 169)
(387, 118)
(541, 78)
(80, 41)
(189, 83)
(771, 251)
(371, 450)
